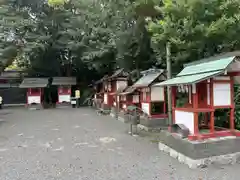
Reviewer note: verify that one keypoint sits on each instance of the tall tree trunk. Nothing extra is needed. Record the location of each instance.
(169, 76)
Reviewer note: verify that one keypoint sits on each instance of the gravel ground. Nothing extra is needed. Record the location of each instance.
(77, 144)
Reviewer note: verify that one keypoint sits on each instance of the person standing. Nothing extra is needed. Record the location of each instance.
(77, 96)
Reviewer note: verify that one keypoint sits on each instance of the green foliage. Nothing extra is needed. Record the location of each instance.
(93, 38)
(196, 29)
(87, 37)
(237, 106)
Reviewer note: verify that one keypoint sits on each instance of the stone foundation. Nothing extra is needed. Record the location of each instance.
(104, 110)
(198, 154)
(152, 124)
(113, 112)
(123, 117)
(149, 129)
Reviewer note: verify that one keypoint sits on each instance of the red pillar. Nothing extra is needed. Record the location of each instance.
(174, 94)
(148, 94)
(232, 124)
(212, 124)
(195, 106)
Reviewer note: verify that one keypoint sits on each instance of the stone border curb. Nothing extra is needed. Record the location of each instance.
(121, 119)
(112, 115)
(226, 159)
(142, 127)
(149, 129)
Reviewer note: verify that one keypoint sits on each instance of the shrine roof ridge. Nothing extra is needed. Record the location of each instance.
(213, 58)
(34, 83)
(221, 63)
(148, 79)
(151, 71)
(117, 73)
(64, 81)
(128, 90)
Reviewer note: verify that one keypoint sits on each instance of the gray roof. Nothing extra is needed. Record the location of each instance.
(64, 81)
(119, 91)
(148, 79)
(101, 80)
(119, 72)
(34, 83)
(12, 74)
(128, 90)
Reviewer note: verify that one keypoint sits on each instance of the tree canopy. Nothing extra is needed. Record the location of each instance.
(196, 28)
(92, 38)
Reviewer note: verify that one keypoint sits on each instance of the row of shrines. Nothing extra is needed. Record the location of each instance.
(36, 86)
(207, 86)
(33, 90)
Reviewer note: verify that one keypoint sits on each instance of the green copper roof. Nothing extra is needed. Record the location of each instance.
(188, 79)
(147, 79)
(216, 65)
(200, 70)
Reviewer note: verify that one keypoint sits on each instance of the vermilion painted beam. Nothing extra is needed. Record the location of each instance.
(233, 73)
(214, 135)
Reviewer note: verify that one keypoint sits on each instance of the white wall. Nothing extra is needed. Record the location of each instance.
(121, 84)
(135, 98)
(208, 94)
(186, 118)
(123, 97)
(222, 94)
(221, 78)
(157, 94)
(145, 108)
(64, 98)
(105, 98)
(34, 99)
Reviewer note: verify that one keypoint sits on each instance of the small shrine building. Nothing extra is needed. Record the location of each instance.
(129, 96)
(152, 99)
(114, 84)
(34, 88)
(208, 86)
(64, 85)
(99, 90)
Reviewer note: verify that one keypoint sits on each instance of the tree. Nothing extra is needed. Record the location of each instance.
(84, 36)
(196, 29)
(15, 23)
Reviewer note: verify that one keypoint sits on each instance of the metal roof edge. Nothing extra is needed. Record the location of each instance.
(219, 72)
(152, 70)
(234, 58)
(150, 83)
(199, 73)
(213, 58)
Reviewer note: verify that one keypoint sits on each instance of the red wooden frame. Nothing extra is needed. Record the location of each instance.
(199, 101)
(64, 91)
(128, 101)
(111, 90)
(30, 93)
(149, 101)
